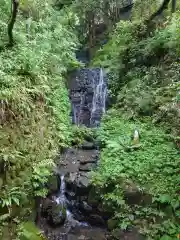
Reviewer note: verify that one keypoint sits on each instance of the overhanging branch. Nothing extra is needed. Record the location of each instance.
(163, 6)
(12, 20)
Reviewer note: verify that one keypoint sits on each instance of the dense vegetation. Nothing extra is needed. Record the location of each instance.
(141, 184)
(34, 105)
(142, 60)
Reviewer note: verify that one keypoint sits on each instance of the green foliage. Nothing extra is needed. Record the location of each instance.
(28, 231)
(34, 103)
(141, 184)
(80, 133)
(147, 175)
(144, 9)
(143, 70)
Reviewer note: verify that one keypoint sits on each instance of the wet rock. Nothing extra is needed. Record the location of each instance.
(88, 145)
(87, 167)
(87, 156)
(133, 234)
(93, 198)
(70, 195)
(56, 214)
(96, 220)
(84, 181)
(112, 224)
(77, 214)
(53, 184)
(134, 196)
(86, 233)
(85, 161)
(84, 207)
(46, 206)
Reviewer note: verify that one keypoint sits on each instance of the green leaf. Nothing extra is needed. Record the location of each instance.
(166, 237)
(4, 217)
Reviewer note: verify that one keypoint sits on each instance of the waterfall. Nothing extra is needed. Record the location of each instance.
(80, 108)
(88, 96)
(99, 99)
(61, 199)
(88, 92)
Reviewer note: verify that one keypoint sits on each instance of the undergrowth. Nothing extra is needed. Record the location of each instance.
(140, 185)
(34, 107)
(143, 67)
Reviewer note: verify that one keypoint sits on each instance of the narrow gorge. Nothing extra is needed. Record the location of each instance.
(90, 120)
(72, 211)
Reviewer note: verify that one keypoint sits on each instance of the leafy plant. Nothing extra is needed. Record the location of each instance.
(34, 104)
(141, 185)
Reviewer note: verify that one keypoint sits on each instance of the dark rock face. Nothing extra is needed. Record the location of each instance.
(53, 184)
(133, 234)
(54, 213)
(88, 96)
(88, 145)
(75, 165)
(57, 214)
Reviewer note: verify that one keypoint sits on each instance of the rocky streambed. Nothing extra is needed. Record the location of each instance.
(73, 209)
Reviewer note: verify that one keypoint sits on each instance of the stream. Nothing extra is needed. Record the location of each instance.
(73, 209)
(70, 213)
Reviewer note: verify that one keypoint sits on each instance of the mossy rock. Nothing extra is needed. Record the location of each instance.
(112, 224)
(53, 184)
(93, 197)
(56, 214)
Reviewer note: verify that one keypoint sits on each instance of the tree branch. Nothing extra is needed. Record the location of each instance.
(163, 6)
(12, 20)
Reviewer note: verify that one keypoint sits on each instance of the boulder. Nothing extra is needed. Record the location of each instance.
(83, 185)
(96, 220)
(46, 206)
(132, 234)
(56, 214)
(84, 207)
(87, 167)
(88, 145)
(93, 198)
(112, 223)
(133, 195)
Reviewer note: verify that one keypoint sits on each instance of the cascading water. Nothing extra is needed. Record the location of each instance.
(88, 96)
(88, 90)
(61, 199)
(99, 99)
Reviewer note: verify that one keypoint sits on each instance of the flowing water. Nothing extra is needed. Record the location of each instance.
(99, 99)
(88, 94)
(62, 200)
(88, 91)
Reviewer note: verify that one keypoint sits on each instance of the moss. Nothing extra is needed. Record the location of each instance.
(112, 224)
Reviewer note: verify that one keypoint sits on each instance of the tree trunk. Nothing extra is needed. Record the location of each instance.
(163, 6)
(12, 20)
(173, 6)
